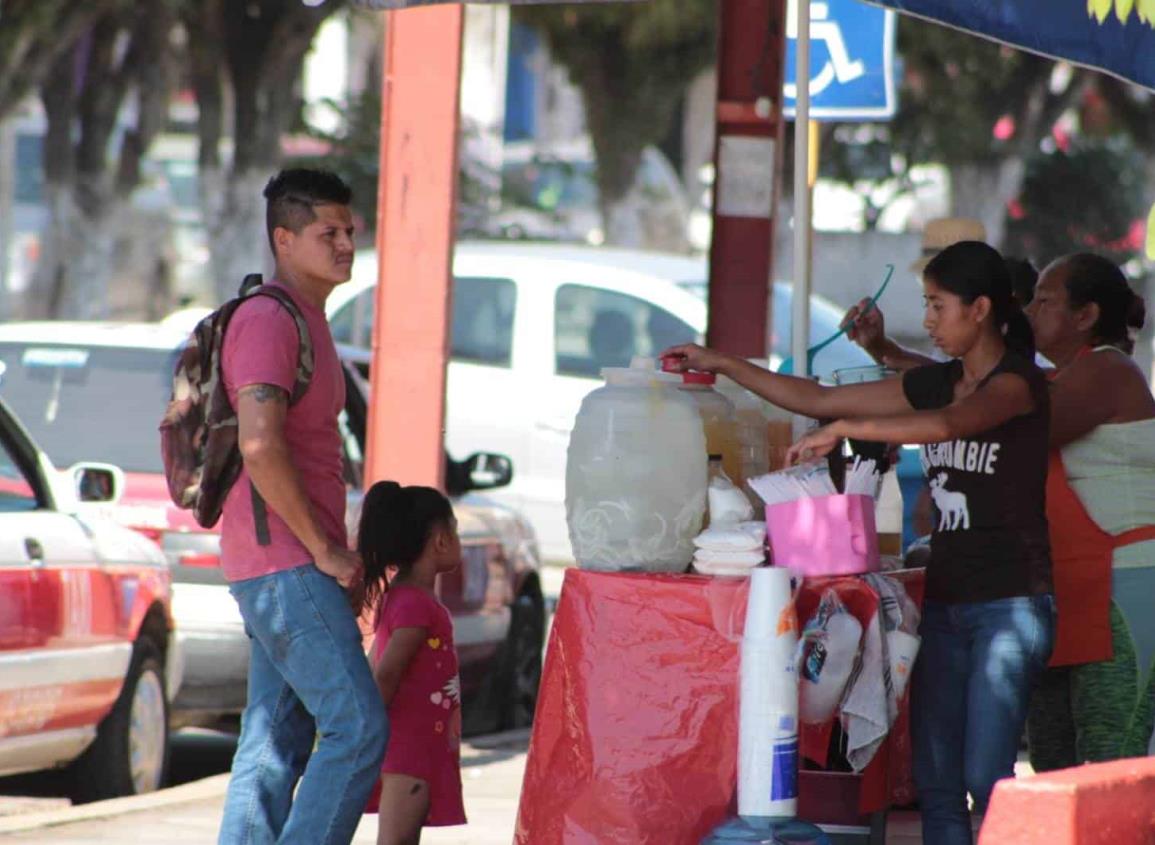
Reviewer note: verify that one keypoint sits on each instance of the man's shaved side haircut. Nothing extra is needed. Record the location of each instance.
(292, 194)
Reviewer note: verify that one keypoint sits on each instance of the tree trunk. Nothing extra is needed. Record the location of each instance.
(74, 272)
(982, 191)
(88, 203)
(618, 125)
(622, 225)
(235, 211)
(7, 201)
(76, 260)
(261, 47)
(617, 151)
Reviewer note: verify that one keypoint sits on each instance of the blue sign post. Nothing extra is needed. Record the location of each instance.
(851, 61)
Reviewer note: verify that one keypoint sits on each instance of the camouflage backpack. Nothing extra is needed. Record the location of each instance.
(198, 434)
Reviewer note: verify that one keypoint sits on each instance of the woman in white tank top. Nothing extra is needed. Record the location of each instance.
(1097, 702)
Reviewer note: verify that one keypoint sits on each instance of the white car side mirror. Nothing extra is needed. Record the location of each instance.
(97, 482)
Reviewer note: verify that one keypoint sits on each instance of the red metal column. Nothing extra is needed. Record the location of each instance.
(415, 230)
(751, 46)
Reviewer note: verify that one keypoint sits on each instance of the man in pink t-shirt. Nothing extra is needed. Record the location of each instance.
(284, 549)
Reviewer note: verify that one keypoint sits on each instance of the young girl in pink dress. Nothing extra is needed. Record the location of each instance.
(412, 531)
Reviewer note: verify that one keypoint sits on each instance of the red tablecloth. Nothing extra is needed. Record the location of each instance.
(635, 737)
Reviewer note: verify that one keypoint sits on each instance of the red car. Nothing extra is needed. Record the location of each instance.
(109, 400)
(87, 654)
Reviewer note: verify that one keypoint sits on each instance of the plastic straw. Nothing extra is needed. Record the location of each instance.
(863, 478)
(805, 480)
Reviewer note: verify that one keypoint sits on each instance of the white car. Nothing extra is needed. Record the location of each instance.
(88, 659)
(532, 327)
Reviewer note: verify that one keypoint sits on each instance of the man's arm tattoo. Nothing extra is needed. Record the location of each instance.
(266, 393)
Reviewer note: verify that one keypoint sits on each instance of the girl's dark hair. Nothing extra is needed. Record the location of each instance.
(970, 269)
(1091, 278)
(396, 523)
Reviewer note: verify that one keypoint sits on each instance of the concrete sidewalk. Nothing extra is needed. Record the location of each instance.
(492, 769)
(190, 814)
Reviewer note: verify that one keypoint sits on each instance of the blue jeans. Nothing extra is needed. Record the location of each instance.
(969, 696)
(309, 682)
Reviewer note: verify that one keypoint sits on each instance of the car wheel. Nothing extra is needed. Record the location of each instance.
(522, 673)
(130, 753)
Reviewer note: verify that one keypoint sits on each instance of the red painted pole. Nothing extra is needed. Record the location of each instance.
(748, 166)
(415, 233)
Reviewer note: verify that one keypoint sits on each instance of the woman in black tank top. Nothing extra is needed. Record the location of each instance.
(988, 617)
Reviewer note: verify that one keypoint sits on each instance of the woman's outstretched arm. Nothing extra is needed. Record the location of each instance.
(799, 395)
(1003, 398)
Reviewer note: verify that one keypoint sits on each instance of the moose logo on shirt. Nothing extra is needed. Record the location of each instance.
(952, 506)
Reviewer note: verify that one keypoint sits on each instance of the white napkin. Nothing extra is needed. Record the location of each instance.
(753, 558)
(729, 538)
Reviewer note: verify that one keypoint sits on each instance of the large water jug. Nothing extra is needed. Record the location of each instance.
(636, 473)
(718, 422)
(750, 428)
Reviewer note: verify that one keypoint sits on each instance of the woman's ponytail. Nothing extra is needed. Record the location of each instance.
(1018, 334)
(1136, 313)
(1136, 319)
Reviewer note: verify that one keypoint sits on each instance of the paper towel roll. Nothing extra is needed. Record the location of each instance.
(768, 708)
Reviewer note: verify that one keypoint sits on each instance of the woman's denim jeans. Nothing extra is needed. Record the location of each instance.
(972, 685)
(309, 683)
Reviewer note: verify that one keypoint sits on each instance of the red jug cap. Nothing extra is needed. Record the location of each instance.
(691, 377)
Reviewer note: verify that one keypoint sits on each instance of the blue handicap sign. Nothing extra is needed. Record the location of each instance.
(851, 61)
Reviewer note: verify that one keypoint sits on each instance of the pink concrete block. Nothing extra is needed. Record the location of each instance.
(1101, 804)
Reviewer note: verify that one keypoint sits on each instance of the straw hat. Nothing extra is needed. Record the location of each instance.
(944, 231)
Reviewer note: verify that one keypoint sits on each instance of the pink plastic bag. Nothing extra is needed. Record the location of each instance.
(824, 535)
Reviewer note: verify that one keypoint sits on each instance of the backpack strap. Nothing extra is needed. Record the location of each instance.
(249, 282)
(260, 516)
(305, 358)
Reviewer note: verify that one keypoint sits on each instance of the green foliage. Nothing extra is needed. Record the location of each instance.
(1089, 197)
(955, 87)
(353, 151)
(955, 90)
